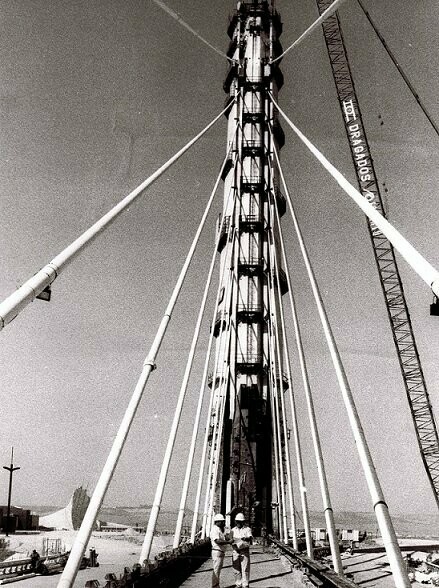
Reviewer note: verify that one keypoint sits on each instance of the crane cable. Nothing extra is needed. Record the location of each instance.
(399, 68)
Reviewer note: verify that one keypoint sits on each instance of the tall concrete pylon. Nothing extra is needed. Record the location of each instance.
(249, 377)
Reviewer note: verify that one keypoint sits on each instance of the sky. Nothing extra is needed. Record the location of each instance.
(94, 97)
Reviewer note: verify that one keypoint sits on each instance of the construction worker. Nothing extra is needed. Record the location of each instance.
(35, 560)
(241, 541)
(219, 542)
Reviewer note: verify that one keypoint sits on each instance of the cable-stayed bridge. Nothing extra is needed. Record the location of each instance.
(246, 379)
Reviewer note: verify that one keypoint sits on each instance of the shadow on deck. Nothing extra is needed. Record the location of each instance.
(266, 571)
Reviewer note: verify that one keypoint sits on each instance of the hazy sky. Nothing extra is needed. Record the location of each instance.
(94, 96)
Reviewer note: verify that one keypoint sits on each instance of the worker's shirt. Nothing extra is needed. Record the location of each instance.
(238, 535)
(215, 535)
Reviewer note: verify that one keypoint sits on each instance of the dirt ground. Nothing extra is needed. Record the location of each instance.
(115, 551)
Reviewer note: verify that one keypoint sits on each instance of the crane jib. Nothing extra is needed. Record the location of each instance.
(391, 283)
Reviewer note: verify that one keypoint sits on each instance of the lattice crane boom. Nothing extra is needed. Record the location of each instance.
(391, 283)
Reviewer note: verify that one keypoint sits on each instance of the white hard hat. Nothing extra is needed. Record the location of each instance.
(218, 517)
(240, 517)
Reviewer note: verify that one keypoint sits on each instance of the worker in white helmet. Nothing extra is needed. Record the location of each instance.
(241, 541)
(219, 542)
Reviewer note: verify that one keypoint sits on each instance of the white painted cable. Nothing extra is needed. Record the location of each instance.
(298, 447)
(277, 377)
(155, 509)
(195, 428)
(25, 294)
(70, 571)
(275, 444)
(218, 449)
(227, 301)
(324, 487)
(219, 353)
(379, 504)
(273, 205)
(225, 379)
(421, 266)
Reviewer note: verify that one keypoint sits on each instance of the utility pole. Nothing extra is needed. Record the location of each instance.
(11, 470)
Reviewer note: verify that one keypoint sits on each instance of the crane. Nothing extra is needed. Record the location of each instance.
(391, 283)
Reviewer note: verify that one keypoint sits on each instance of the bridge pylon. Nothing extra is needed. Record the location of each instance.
(247, 421)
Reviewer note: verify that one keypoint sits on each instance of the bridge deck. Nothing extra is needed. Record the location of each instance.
(266, 571)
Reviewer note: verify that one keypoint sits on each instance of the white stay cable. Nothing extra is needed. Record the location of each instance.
(420, 265)
(220, 351)
(291, 497)
(381, 509)
(70, 571)
(299, 460)
(190, 459)
(276, 382)
(230, 259)
(328, 12)
(16, 302)
(327, 506)
(217, 449)
(272, 384)
(295, 424)
(189, 463)
(226, 381)
(274, 262)
(205, 526)
(153, 515)
(84, 533)
(277, 391)
(209, 412)
(296, 436)
(276, 303)
(219, 397)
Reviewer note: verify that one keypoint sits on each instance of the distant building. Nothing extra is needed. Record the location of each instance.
(19, 520)
(319, 534)
(350, 535)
